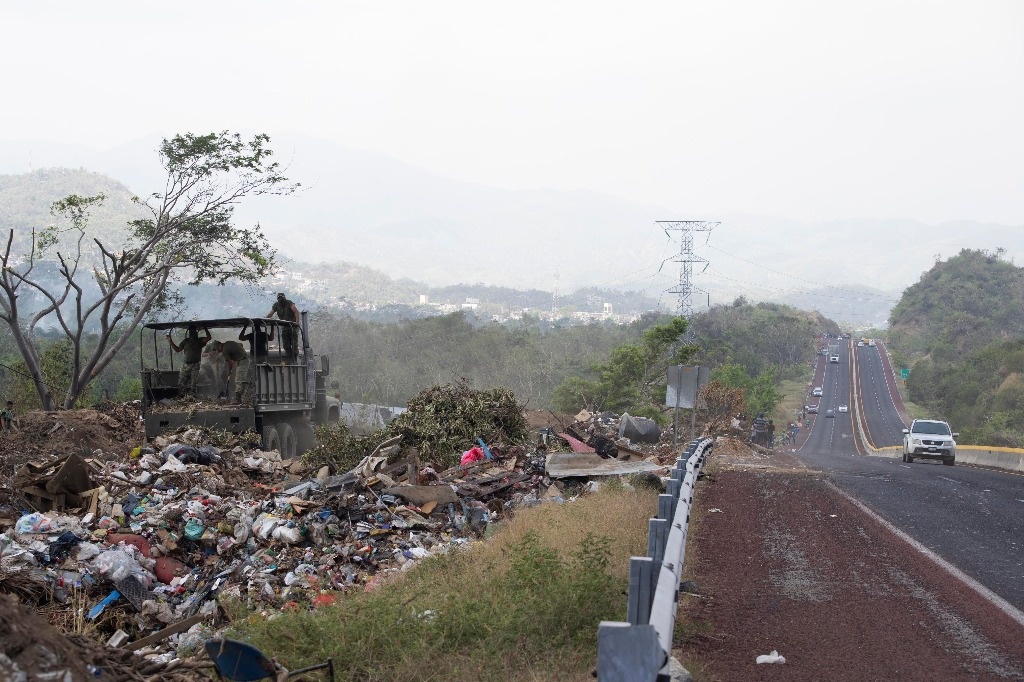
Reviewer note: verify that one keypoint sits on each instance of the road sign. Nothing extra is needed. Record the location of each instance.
(904, 373)
(683, 382)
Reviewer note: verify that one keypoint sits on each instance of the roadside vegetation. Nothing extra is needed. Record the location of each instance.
(959, 330)
(525, 605)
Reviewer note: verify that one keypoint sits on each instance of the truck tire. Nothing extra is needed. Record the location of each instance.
(949, 462)
(271, 438)
(288, 442)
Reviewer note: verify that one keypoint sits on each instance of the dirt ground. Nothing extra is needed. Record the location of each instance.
(32, 647)
(115, 430)
(782, 561)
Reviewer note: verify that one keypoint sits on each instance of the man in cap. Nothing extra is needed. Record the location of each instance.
(192, 348)
(286, 310)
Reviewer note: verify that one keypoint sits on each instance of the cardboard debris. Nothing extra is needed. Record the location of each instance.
(573, 464)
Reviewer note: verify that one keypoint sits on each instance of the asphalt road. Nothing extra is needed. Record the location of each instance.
(971, 517)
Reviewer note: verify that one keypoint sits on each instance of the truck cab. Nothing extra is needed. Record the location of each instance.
(278, 392)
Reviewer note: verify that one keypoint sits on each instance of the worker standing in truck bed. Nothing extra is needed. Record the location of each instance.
(286, 310)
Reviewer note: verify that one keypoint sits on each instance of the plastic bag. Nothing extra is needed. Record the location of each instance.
(773, 657)
(303, 575)
(288, 534)
(33, 523)
(186, 454)
(193, 529)
(117, 564)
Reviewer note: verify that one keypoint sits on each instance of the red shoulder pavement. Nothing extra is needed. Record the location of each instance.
(784, 561)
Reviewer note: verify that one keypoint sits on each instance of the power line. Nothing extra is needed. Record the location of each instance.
(801, 279)
(804, 291)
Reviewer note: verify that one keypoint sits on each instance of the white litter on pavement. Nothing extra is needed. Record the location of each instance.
(773, 657)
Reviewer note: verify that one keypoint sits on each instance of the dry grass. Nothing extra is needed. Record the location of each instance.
(615, 513)
(794, 397)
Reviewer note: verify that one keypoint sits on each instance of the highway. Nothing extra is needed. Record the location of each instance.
(971, 517)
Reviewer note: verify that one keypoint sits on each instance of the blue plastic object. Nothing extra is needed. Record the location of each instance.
(236, 660)
(487, 450)
(95, 611)
(243, 662)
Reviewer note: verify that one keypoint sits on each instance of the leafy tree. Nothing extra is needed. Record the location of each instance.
(633, 378)
(760, 393)
(87, 283)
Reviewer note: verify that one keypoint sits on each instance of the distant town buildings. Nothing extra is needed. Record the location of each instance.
(300, 287)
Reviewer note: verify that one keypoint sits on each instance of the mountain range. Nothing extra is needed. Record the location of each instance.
(368, 208)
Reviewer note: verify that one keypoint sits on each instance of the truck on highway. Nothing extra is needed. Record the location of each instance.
(281, 394)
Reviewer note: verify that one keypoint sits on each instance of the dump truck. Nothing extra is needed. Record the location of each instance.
(282, 395)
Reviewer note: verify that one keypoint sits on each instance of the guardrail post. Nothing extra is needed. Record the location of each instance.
(628, 653)
(672, 491)
(657, 534)
(665, 504)
(641, 579)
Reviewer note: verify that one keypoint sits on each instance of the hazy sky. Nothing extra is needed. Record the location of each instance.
(807, 110)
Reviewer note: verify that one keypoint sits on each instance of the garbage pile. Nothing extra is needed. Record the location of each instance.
(140, 550)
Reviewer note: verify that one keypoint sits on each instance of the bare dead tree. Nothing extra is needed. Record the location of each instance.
(187, 237)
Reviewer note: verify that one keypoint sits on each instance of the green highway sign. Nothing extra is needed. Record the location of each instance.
(904, 373)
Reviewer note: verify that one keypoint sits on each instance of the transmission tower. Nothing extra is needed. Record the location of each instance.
(554, 295)
(686, 259)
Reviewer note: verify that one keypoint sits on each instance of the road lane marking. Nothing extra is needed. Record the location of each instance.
(982, 591)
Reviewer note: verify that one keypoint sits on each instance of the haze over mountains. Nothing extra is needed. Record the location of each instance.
(371, 209)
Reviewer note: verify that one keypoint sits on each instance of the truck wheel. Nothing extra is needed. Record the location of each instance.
(949, 462)
(288, 445)
(910, 460)
(271, 439)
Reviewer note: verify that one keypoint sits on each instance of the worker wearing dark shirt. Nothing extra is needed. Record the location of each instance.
(192, 349)
(238, 366)
(286, 310)
(259, 337)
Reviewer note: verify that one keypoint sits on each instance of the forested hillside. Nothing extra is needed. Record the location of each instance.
(960, 330)
(959, 306)
(759, 336)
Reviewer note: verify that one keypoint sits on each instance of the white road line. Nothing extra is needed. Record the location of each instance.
(982, 591)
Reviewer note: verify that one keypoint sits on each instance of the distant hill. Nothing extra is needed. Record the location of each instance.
(25, 201)
(366, 208)
(959, 306)
(960, 329)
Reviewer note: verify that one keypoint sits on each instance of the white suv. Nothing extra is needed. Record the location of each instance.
(929, 439)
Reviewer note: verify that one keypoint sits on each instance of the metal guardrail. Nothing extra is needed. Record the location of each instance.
(639, 649)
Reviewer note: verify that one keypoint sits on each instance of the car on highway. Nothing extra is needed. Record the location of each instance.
(844, 408)
(830, 413)
(860, 343)
(834, 359)
(811, 409)
(929, 439)
(817, 391)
